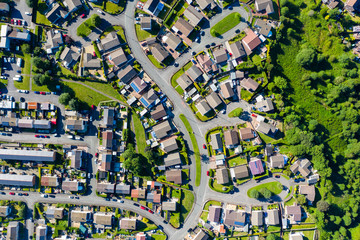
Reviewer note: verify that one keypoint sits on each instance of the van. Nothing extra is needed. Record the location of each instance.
(17, 79)
(70, 136)
(18, 76)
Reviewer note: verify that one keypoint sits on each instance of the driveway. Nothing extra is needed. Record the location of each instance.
(18, 12)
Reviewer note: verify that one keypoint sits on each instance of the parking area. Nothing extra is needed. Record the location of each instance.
(18, 11)
(10, 67)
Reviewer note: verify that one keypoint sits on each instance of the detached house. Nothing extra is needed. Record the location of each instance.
(159, 53)
(220, 56)
(236, 50)
(69, 57)
(206, 4)
(264, 5)
(203, 107)
(194, 73)
(72, 5)
(277, 161)
(149, 99)
(117, 57)
(53, 42)
(126, 74)
(91, 62)
(231, 138)
(213, 99)
(251, 41)
(153, 7)
(56, 13)
(172, 41)
(110, 42)
(183, 27)
(174, 175)
(246, 134)
(146, 23)
(193, 15)
(352, 6)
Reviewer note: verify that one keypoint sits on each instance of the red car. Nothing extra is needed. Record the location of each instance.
(25, 194)
(253, 115)
(94, 54)
(92, 106)
(18, 22)
(37, 136)
(43, 93)
(204, 146)
(47, 136)
(82, 15)
(150, 211)
(11, 193)
(96, 154)
(207, 173)
(143, 208)
(12, 21)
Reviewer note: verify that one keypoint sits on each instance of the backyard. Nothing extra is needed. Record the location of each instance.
(139, 133)
(40, 13)
(144, 34)
(226, 24)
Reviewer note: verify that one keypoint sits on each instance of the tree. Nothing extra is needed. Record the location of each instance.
(26, 48)
(347, 220)
(30, 3)
(254, 193)
(95, 20)
(344, 60)
(42, 79)
(271, 237)
(266, 193)
(306, 57)
(22, 211)
(38, 51)
(301, 199)
(323, 206)
(65, 98)
(284, 11)
(281, 83)
(74, 104)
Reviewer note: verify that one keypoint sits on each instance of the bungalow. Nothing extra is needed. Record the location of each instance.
(154, 197)
(69, 57)
(206, 4)
(352, 5)
(216, 142)
(231, 138)
(309, 192)
(236, 50)
(293, 213)
(213, 99)
(251, 41)
(126, 74)
(203, 107)
(174, 175)
(138, 85)
(169, 206)
(264, 5)
(159, 53)
(153, 7)
(76, 125)
(246, 134)
(169, 145)
(222, 175)
(205, 62)
(226, 90)
(277, 161)
(268, 150)
(41, 232)
(122, 189)
(201, 235)
(220, 56)
(72, 5)
(81, 216)
(26, 123)
(183, 27)
(302, 166)
(71, 186)
(146, 23)
(193, 15)
(194, 73)
(117, 57)
(107, 137)
(104, 219)
(128, 224)
(42, 124)
(13, 230)
(172, 41)
(172, 159)
(57, 213)
(263, 27)
(237, 75)
(257, 218)
(76, 158)
(162, 130)
(265, 128)
(49, 181)
(239, 172)
(158, 113)
(106, 160)
(110, 42)
(91, 62)
(234, 218)
(273, 217)
(105, 187)
(256, 166)
(214, 214)
(54, 40)
(185, 82)
(138, 193)
(265, 105)
(108, 117)
(149, 99)
(56, 13)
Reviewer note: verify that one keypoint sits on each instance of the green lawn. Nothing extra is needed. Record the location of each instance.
(106, 88)
(187, 200)
(115, 28)
(25, 83)
(245, 95)
(211, 202)
(155, 62)
(35, 87)
(266, 138)
(235, 113)
(227, 23)
(158, 237)
(272, 186)
(139, 134)
(236, 161)
(175, 219)
(113, 8)
(355, 232)
(290, 202)
(40, 17)
(195, 147)
(143, 34)
(86, 27)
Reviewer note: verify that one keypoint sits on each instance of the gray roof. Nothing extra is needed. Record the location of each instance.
(220, 55)
(42, 124)
(27, 155)
(159, 52)
(53, 39)
(168, 206)
(150, 97)
(203, 107)
(240, 171)
(55, 13)
(214, 214)
(170, 145)
(174, 175)
(227, 90)
(205, 3)
(277, 161)
(73, 4)
(265, 128)
(249, 84)
(41, 231)
(194, 72)
(13, 230)
(257, 218)
(108, 115)
(222, 175)
(183, 26)
(122, 189)
(266, 5)
(237, 50)
(162, 129)
(234, 218)
(216, 142)
(213, 99)
(158, 112)
(145, 22)
(172, 159)
(118, 57)
(172, 40)
(17, 180)
(90, 61)
(231, 137)
(193, 15)
(184, 81)
(4, 7)
(111, 41)
(105, 187)
(201, 235)
(72, 186)
(265, 105)
(126, 74)
(273, 217)
(76, 158)
(263, 26)
(68, 57)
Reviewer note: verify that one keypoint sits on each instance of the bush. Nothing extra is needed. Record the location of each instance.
(65, 98)
(236, 112)
(306, 57)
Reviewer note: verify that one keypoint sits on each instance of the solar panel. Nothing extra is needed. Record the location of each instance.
(136, 89)
(143, 101)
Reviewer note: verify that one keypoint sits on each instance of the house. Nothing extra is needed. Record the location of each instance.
(263, 27)
(264, 5)
(277, 161)
(105, 188)
(237, 75)
(214, 214)
(256, 166)
(49, 181)
(69, 57)
(122, 189)
(183, 27)
(231, 138)
(193, 15)
(266, 128)
(13, 229)
(216, 141)
(154, 197)
(265, 105)
(169, 145)
(4, 211)
(174, 175)
(249, 84)
(56, 13)
(203, 107)
(106, 159)
(257, 218)
(239, 172)
(214, 100)
(152, 185)
(138, 85)
(108, 117)
(302, 166)
(110, 42)
(162, 130)
(222, 176)
(126, 74)
(273, 217)
(41, 232)
(26, 123)
(128, 224)
(138, 193)
(4, 8)
(296, 236)
(172, 159)
(54, 40)
(107, 137)
(234, 218)
(293, 213)
(104, 219)
(236, 50)
(146, 23)
(57, 213)
(91, 62)
(184, 82)
(172, 41)
(268, 150)
(72, 5)
(159, 53)
(71, 186)
(27, 155)
(251, 40)
(220, 56)
(352, 5)
(206, 4)
(141, 236)
(158, 113)
(168, 206)
(226, 90)
(153, 7)
(194, 73)
(76, 158)
(76, 125)
(42, 124)
(117, 57)
(201, 235)
(205, 62)
(246, 134)
(81, 216)
(309, 192)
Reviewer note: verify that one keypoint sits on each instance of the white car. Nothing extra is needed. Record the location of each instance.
(100, 11)
(28, 13)
(70, 136)
(3, 77)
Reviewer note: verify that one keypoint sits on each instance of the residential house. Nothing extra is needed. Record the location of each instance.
(13, 230)
(72, 5)
(76, 158)
(169, 145)
(17, 180)
(149, 99)
(41, 232)
(293, 213)
(128, 224)
(159, 53)
(231, 138)
(4, 8)
(263, 27)
(203, 107)
(214, 214)
(239, 172)
(264, 5)
(57, 213)
(54, 41)
(256, 166)
(4, 211)
(76, 125)
(141, 236)
(246, 134)
(234, 218)
(158, 113)
(266, 128)
(169, 206)
(296, 236)
(162, 130)
(302, 166)
(268, 150)
(249, 84)
(194, 73)
(108, 117)
(71, 186)
(236, 50)
(117, 57)
(49, 181)
(122, 189)
(277, 161)
(104, 219)
(309, 192)
(251, 40)
(146, 23)
(90, 61)
(185, 82)
(222, 175)
(226, 90)
(154, 197)
(265, 105)
(110, 42)
(69, 57)
(183, 27)
(174, 175)
(216, 141)
(193, 15)
(206, 4)
(81, 216)
(257, 218)
(237, 75)
(273, 217)
(138, 85)
(153, 7)
(205, 62)
(138, 193)
(220, 56)
(107, 139)
(172, 159)
(106, 160)
(201, 235)
(126, 74)
(105, 187)
(172, 41)
(152, 185)
(26, 123)
(42, 124)
(27, 155)
(214, 100)
(56, 13)
(352, 6)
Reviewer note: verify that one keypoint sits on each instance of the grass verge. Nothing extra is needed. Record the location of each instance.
(227, 23)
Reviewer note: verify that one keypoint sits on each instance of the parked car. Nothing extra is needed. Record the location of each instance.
(44, 195)
(20, 194)
(37, 92)
(71, 197)
(43, 93)
(52, 196)
(143, 208)
(121, 201)
(37, 136)
(82, 15)
(25, 194)
(204, 146)
(136, 204)
(277, 176)
(28, 13)
(207, 173)
(11, 193)
(150, 211)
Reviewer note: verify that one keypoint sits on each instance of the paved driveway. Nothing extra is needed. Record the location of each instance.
(18, 12)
